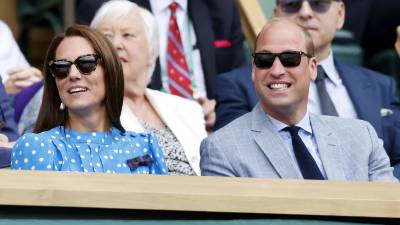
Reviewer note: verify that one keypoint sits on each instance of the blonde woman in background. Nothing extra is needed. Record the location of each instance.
(178, 123)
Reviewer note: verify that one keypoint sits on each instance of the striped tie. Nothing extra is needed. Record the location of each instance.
(179, 81)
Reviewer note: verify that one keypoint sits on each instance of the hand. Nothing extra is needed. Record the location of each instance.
(21, 78)
(4, 142)
(209, 112)
(397, 44)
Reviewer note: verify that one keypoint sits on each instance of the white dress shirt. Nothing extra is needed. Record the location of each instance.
(306, 135)
(336, 90)
(162, 13)
(10, 55)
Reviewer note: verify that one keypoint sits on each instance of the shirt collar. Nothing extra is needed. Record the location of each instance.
(304, 123)
(329, 66)
(158, 6)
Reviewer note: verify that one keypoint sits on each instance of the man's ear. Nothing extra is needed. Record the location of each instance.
(252, 71)
(276, 11)
(312, 66)
(341, 15)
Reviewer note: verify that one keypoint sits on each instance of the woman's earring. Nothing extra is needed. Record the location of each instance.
(62, 106)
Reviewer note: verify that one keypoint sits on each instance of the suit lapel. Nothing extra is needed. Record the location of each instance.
(361, 90)
(176, 124)
(328, 148)
(272, 145)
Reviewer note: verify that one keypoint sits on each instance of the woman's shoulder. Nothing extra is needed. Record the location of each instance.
(36, 136)
(172, 100)
(40, 138)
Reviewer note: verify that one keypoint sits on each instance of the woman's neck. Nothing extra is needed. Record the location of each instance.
(135, 86)
(95, 121)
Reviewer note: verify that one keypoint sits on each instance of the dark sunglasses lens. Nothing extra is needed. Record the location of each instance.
(320, 6)
(60, 69)
(290, 59)
(291, 6)
(264, 60)
(86, 64)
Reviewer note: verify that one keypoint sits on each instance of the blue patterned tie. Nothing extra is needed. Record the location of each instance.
(306, 162)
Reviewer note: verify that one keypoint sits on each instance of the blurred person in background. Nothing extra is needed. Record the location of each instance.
(177, 122)
(210, 42)
(15, 71)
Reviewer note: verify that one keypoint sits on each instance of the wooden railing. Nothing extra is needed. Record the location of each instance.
(253, 19)
(199, 194)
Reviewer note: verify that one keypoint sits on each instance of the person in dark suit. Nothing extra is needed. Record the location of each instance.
(218, 41)
(356, 92)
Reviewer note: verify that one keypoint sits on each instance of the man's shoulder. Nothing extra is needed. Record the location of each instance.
(172, 100)
(235, 128)
(238, 74)
(341, 123)
(355, 70)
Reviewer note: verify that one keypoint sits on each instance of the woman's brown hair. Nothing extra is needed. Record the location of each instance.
(50, 115)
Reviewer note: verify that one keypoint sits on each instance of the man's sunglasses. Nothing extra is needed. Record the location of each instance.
(86, 64)
(294, 6)
(264, 60)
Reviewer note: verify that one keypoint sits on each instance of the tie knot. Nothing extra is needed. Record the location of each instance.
(320, 74)
(173, 7)
(293, 130)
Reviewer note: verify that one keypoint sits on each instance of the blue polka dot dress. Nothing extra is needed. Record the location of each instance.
(62, 149)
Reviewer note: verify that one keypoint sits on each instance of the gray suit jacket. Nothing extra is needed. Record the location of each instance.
(250, 147)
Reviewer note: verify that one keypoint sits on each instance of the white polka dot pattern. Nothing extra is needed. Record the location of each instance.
(61, 149)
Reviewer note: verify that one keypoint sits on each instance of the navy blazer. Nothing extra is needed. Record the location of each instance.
(213, 21)
(7, 111)
(372, 94)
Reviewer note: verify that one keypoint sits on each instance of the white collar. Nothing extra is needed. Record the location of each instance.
(329, 66)
(157, 6)
(304, 123)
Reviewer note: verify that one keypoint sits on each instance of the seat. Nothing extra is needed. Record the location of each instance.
(346, 49)
(387, 62)
(33, 13)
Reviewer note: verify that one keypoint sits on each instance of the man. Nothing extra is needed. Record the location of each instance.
(280, 138)
(354, 91)
(211, 36)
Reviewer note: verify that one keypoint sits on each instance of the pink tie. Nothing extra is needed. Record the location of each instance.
(179, 81)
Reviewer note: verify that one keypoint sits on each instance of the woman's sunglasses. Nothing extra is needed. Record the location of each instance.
(264, 60)
(86, 64)
(294, 6)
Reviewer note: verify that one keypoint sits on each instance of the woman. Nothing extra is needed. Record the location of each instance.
(178, 123)
(78, 128)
